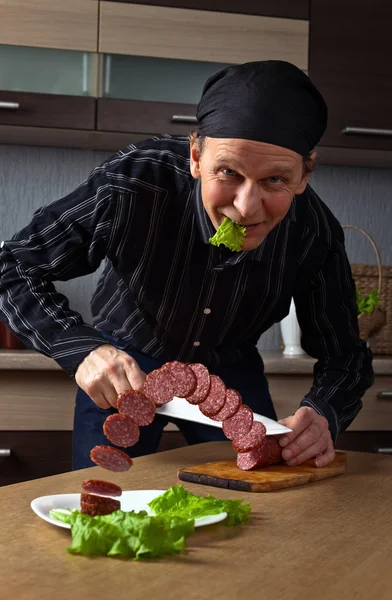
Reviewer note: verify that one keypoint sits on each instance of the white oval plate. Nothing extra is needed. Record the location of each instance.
(136, 500)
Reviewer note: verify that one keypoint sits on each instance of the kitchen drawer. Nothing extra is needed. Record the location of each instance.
(34, 454)
(145, 117)
(366, 441)
(376, 415)
(47, 110)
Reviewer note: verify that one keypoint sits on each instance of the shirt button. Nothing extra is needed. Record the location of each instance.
(207, 311)
(196, 343)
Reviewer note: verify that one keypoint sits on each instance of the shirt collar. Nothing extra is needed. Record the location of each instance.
(207, 230)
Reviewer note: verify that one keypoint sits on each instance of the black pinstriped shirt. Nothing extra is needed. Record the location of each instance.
(168, 292)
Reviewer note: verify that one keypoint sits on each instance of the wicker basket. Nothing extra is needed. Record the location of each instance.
(375, 327)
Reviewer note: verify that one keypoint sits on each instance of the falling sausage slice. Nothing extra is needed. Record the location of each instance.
(137, 406)
(215, 398)
(102, 488)
(240, 424)
(111, 458)
(202, 384)
(159, 386)
(185, 381)
(251, 440)
(232, 403)
(98, 505)
(121, 430)
(249, 460)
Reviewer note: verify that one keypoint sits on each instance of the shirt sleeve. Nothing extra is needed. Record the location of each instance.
(327, 315)
(66, 239)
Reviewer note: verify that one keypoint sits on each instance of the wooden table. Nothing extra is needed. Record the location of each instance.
(326, 540)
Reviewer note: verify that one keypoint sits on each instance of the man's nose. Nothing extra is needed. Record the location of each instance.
(248, 200)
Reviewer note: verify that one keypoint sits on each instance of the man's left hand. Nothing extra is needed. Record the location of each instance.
(310, 439)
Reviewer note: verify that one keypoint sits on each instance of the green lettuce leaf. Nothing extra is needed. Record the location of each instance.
(229, 234)
(368, 302)
(180, 503)
(126, 534)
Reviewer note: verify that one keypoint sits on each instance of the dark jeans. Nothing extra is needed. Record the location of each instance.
(246, 376)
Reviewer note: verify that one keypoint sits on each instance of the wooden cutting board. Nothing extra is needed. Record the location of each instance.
(226, 474)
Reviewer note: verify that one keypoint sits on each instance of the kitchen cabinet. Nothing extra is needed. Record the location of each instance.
(71, 25)
(267, 8)
(350, 61)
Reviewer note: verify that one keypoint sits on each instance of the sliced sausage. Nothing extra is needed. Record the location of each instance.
(185, 381)
(121, 430)
(251, 440)
(102, 488)
(202, 384)
(111, 458)
(137, 406)
(249, 460)
(215, 398)
(232, 403)
(98, 505)
(159, 386)
(270, 452)
(240, 424)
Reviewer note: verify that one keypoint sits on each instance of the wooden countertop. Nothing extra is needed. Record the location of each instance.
(327, 540)
(274, 362)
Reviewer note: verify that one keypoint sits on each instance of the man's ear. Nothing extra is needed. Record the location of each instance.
(195, 160)
(305, 176)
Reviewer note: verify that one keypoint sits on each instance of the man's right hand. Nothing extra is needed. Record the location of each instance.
(106, 372)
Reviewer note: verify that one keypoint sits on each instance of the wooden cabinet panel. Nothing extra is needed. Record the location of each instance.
(145, 117)
(71, 25)
(267, 8)
(350, 62)
(376, 414)
(200, 35)
(47, 110)
(34, 454)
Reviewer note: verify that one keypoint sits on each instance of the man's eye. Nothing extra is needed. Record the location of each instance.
(229, 172)
(275, 179)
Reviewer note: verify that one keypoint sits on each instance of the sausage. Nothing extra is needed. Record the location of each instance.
(271, 452)
(121, 430)
(185, 381)
(239, 424)
(159, 386)
(251, 440)
(111, 458)
(98, 505)
(137, 406)
(232, 403)
(215, 398)
(102, 488)
(203, 383)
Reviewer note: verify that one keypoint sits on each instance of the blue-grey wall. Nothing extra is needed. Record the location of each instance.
(33, 176)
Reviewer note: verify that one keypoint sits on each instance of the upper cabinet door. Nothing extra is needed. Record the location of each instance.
(351, 63)
(186, 34)
(65, 24)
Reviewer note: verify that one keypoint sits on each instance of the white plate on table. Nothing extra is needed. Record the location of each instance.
(136, 500)
(179, 408)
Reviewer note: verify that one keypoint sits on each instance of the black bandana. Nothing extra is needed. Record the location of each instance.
(270, 101)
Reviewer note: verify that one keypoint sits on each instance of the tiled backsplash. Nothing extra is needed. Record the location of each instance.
(33, 176)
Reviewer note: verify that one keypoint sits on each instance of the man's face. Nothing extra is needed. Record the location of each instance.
(252, 183)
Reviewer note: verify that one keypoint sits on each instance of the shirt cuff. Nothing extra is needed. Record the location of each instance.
(325, 410)
(72, 347)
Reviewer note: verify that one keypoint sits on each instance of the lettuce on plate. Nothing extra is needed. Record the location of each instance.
(126, 534)
(178, 502)
(229, 234)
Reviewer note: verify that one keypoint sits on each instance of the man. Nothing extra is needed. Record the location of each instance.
(167, 294)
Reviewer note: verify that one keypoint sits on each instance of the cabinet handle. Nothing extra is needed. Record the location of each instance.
(183, 119)
(384, 450)
(9, 105)
(4, 452)
(366, 131)
(384, 395)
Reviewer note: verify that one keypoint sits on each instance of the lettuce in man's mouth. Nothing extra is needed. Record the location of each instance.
(229, 234)
(141, 536)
